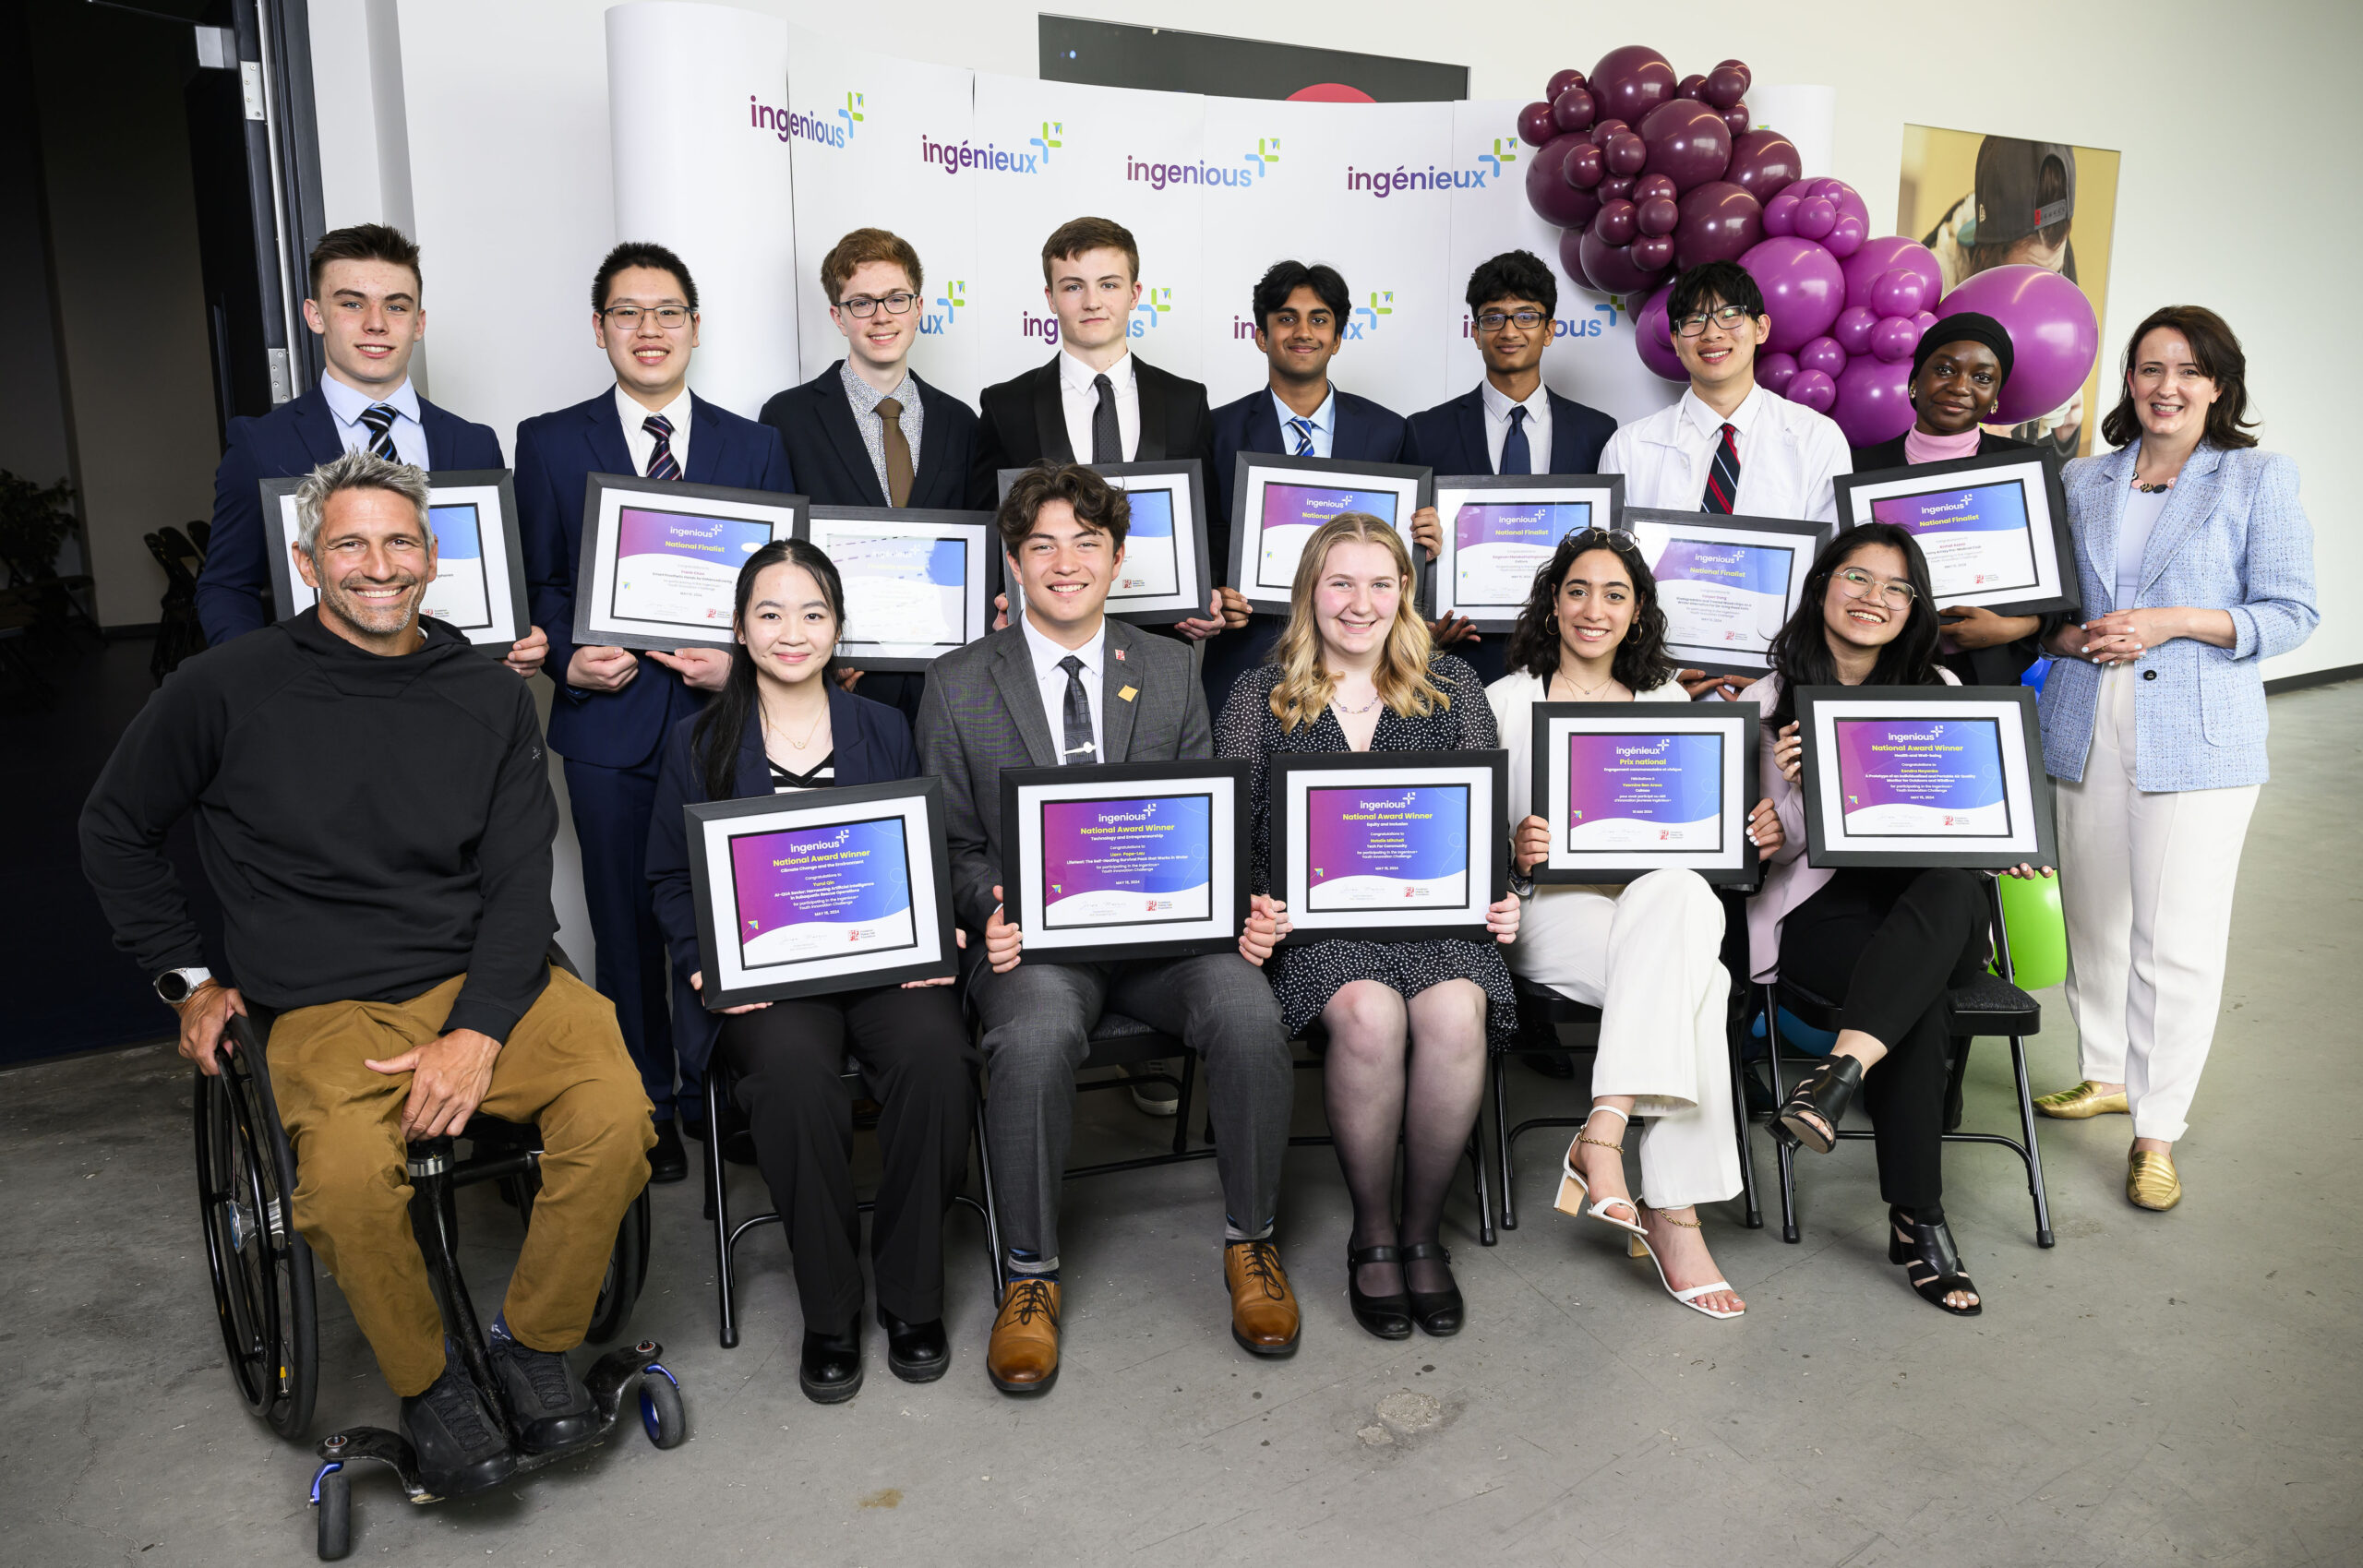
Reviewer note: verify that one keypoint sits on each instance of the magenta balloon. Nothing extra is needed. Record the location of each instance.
(1534, 124)
(1764, 163)
(1781, 213)
(1612, 268)
(1651, 253)
(1825, 355)
(1571, 260)
(1925, 320)
(1547, 191)
(1775, 371)
(1852, 328)
(1719, 222)
(1617, 222)
(1653, 338)
(1845, 236)
(1814, 389)
(1899, 291)
(1632, 81)
(1817, 215)
(1848, 200)
(1895, 338)
(1602, 132)
(1726, 85)
(1561, 81)
(1689, 86)
(1626, 154)
(1874, 402)
(1878, 256)
(1803, 288)
(1651, 186)
(1687, 142)
(1583, 166)
(1658, 216)
(1574, 110)
(2054, 335)
(1738, 121)
(1746, 77)
(1615, 188)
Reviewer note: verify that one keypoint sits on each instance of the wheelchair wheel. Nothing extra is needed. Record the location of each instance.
(261, 1268)
(627, 1271)
(336, 1517)
(660, 1410)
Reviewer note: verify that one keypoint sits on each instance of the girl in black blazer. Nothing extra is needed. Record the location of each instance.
(782, 723)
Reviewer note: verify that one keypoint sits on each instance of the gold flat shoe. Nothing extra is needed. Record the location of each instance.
(2083, 1100)
(2151, 1182)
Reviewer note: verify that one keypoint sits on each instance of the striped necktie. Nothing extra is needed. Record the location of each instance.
(1722, 480)
(1303, 428)
(660, 462)
(379, 418)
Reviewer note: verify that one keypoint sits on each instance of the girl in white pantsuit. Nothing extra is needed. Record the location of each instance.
(2196, 564)
(1646, 954)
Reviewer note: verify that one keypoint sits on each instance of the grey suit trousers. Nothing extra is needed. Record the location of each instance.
(1037, 1020)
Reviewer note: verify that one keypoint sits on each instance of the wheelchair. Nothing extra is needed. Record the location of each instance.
(266, 1293)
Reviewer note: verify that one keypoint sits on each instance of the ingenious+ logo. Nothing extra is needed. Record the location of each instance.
(953, 300)
(1590, 326)
(967, 157)
(1384, 183)
(833, 128)
(1156, 305)
(1161, 175)
(1363, 319)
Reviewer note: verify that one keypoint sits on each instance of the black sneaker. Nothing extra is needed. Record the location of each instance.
(458, 1441)
(550, 1406)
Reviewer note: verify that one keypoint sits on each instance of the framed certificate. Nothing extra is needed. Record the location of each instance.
(1500, 528)
(1134, 860)
(832, 890)
(1389, 846)
(1634, 787)
(1166, 576)
(918, 583)
(1727, 584)
(479, 584)
(1993, 528)
(1277, 502)
(1946, 775)
(660, 558)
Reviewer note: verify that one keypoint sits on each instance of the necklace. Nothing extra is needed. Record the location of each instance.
(1356, 712)
(2158, 488)
(812, 730)
(1583, 694)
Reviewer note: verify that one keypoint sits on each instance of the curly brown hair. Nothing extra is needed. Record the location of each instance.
(1641, 661)
(2219, 358)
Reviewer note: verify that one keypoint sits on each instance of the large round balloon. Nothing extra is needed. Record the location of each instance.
(1653, 336)
(1877, 258)
(1651, 186)
(1613, 268)
(1535, 125)
(1825, 355)
(1726, 84)
(1561, 80)
(1803, 288)
(1781, 213)
(1874, 402)
(1720, 222)
(1631, 81)
(1571, 260)
(1854, 327)
(1814, 389)
(1658, 215)
(1652, 253)
(1764, 163)
(2054, 336)
(1775, 371)
(1895, 338)
(1574, 110)
(1582, 166)
(1687, 142)
(1617, 222)
(1547, 191)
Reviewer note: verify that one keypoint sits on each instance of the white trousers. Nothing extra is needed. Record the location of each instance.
(2145, 882)
(1647, 959)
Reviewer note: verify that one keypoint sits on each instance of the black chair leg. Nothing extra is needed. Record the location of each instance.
(1485, 1233)
(1780, 1146)
(717, 1209)
(1182, 1107)
(992, 1207)
(2042, 1236)
(1497, 1067)
(1747, 1145)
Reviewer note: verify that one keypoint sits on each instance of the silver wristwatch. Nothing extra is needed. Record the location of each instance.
(176, 986)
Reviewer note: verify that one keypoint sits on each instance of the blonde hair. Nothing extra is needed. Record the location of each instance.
(1305, 683)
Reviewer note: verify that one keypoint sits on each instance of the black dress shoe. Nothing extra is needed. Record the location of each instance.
(1389, 1317)
(915, 1352)
(830, 1370)
(668, 1161)
(457, 1439)
(1437, 1312)
(549, 1402)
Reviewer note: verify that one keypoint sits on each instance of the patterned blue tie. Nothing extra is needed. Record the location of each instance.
(379, 418)
(1516, 456)
(1303, 428)
(660, 462)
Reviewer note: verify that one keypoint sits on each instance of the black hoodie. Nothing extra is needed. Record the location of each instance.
(373, 825)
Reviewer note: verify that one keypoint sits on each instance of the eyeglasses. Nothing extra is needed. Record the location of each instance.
(1494, 320)
(672, 317)
(1726, 316)
(1856, 583)
(862, 308)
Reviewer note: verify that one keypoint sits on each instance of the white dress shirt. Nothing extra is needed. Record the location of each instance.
(639, 443)
(1788, 458)
(350, 403)
(1052, 681)
(1497, 426)
(1324, 421)
(1080, 398)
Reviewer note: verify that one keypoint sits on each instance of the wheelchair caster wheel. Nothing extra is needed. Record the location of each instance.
(336, 1515)
(660, 1409)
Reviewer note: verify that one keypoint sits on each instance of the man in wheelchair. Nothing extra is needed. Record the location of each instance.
(373, 805)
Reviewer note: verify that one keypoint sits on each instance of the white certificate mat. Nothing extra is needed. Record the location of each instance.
(1632, 788)
(1727, 584)
(1388, 842)
(1133, 859)
(479, 587)
(1993, 528)
(660, 559)
(1922, 778)
(1277, 503)
(918, 583)
(1498, 531)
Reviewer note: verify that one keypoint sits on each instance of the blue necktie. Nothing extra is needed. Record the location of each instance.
(1303, 429)
(1516, 458)
(380, 419)
(661, 463)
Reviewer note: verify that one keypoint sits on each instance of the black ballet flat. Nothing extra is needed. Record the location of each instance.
(1931, 1263)
(1438, 1312)
(1818, 1103)
(1389, 1317)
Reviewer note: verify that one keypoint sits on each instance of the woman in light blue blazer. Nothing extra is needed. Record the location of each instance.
(2196, 565)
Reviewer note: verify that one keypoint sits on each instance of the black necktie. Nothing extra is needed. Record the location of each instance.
(661, 463)
(1107, 440)
(1080, 748)
(1723, 479)
(379, 418)
(1516, 456)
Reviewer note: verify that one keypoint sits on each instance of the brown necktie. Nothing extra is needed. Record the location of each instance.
(898, 454)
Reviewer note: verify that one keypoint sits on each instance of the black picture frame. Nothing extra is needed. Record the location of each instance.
(2026, 786)
(1450, 493)
(1656, 530)
(976, 532)
(725, 983)
(1488, 834)
(1025, 790)
(1859, 493)
(1194, 568)
(1409, 481)
(1740, 724)
(597, 624)
(510, 617)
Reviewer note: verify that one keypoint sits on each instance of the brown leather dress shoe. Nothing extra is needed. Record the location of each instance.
(1264, 1316)
(1024, 1355)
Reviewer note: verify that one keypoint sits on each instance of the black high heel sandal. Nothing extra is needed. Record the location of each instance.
(1389, 1317)
(1438, 1312)
(1931, 1263)
(1818, 1102)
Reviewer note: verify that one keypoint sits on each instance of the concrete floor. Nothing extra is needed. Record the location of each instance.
(2177, 1388)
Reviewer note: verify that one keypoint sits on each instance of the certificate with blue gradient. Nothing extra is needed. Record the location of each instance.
(1404, 848)
(1498, 546)
(1723, 594)
(1644, 792)
(1977, 538)
(1293, 512)
(458, 595)
(1127, 860)
(680, 569)
(803, 894)
(1922, 778)
(1151, 569)
(903, 587)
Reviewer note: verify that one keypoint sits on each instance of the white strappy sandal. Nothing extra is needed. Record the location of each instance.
(1573, 1190)
(1640, 1248)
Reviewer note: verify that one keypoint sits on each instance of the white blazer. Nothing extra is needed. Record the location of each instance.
(1789, 457)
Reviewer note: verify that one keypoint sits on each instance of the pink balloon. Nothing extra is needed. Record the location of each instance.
(1720, 222)
(1658, 216)
(1781, 213)
(1852, 328)
(1572, 109)
(1764, 163)
(1878, 256)
(1803, 288)
(1571, 260)
(1613, 268)
(1825, 355)
(1687, 142)
(1653, 338)
(1689, 86)
(1814, 389)
(1547, 191)
(1617, 222)
(1626, 153)
(1775, 371)
(1899, 291)
(1895, 338)
(1874, 402)
(1848, 200)
(1648, 187)
(1632, 81)
(1845, 236)
(1583, 166)
(1561, 80)
(1651, 253)
(2054, 335)
(1614, 187)
(1737, 119)
(1925, 320)
(1534, 127)
(1602, 132)
(1817, 215)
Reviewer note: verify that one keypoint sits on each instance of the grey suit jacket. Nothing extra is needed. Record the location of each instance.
(982, 711)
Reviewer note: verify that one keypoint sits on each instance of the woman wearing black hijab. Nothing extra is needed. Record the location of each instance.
(1957, 372)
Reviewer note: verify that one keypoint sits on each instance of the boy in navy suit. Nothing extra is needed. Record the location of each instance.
(365, 307)
(614, 707)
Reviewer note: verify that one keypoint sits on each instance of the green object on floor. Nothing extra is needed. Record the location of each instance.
(2038, 932)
